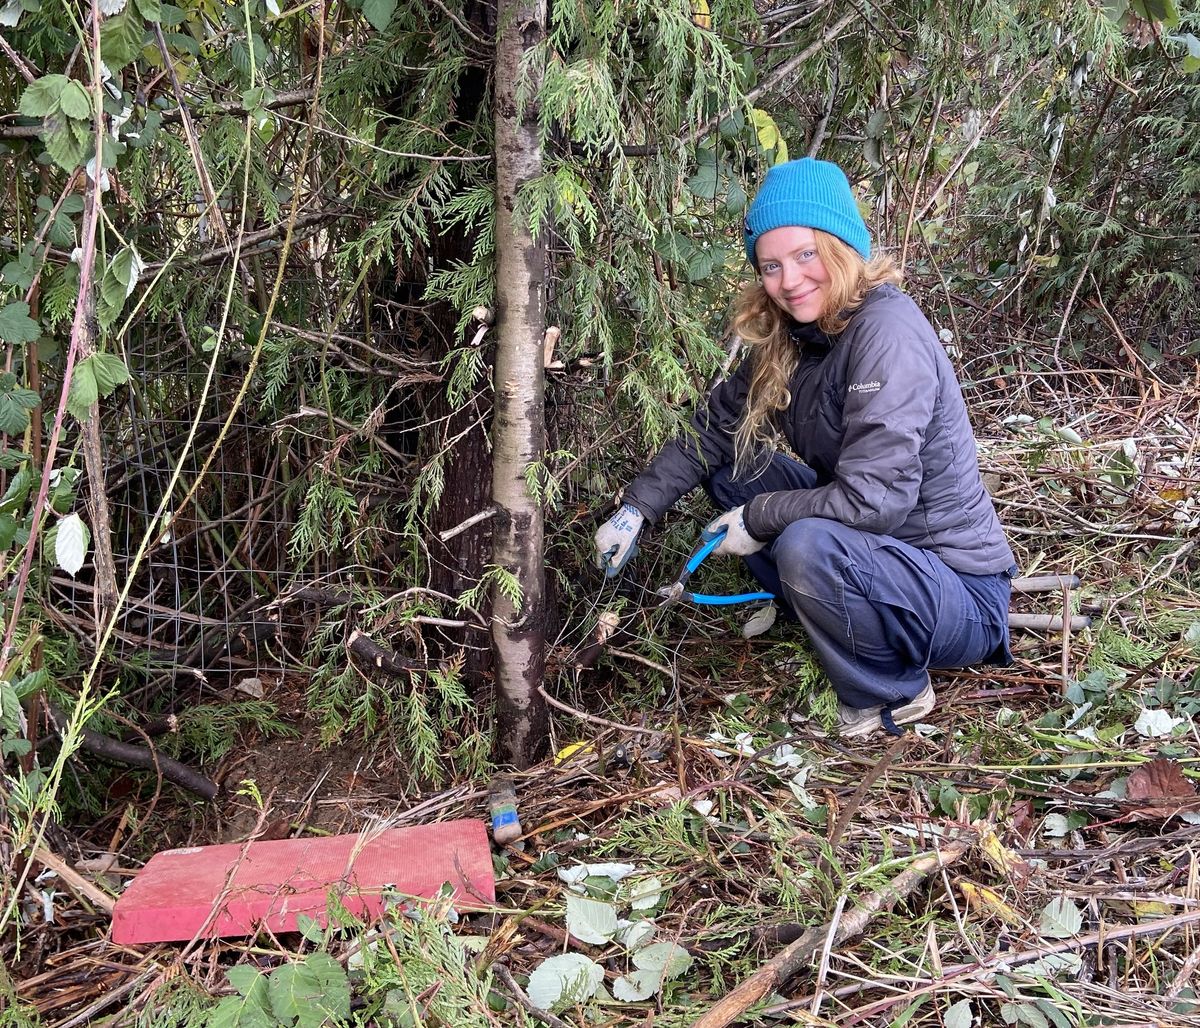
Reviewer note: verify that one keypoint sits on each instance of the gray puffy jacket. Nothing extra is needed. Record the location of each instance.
(878, 414)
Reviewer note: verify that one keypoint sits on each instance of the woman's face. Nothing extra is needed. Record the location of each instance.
(792, 272)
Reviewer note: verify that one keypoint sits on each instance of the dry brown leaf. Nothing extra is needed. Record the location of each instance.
(1161, 779)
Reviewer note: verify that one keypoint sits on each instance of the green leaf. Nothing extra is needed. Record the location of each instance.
(568, 977)
(84, 391)
(1060, 919)
(378, 13)
(310, 928)
(42, 97)
(645, 893)
(1156, 10)
(16, 326)
(117, 284)
(18, 489)
(665, 958)
(1115, 9)
(704, 183)
(65, 147)
(590, 920)
(71, 544)
(1053, 1013)
(182, 41)
(121, 38)
(75, 101)
(110, 372)
(63, 488)
(959, 1015)
(8, 531)
(311, 992)
(32, 683)
(19, 272)
(249, 1008)
(15, 405)
(144, 136)
(151, 10)
(636, 986)
(10, 721)
(1191, 62)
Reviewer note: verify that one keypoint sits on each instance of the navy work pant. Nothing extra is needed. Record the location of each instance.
(878, 611)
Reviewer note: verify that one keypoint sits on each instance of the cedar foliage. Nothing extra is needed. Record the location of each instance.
(657, 120)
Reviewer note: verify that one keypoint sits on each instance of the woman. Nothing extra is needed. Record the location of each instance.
(883, 543)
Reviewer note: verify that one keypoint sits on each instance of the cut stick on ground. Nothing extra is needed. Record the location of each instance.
(74, 881)
(1047, 622)
(806, 949)
(1045, 583)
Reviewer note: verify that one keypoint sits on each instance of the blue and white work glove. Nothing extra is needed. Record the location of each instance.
(616, 539)
(737, 542)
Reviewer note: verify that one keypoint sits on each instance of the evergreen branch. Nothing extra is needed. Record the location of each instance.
(248, 240)
(776, 76)
(970, 147)
(290, 98)
(790, 961)
(462, 27)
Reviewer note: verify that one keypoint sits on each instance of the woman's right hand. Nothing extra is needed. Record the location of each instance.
(616, 539)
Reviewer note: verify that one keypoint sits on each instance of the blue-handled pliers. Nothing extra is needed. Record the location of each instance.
(676, 591)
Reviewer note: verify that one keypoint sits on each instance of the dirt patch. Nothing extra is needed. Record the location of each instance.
(287, 785)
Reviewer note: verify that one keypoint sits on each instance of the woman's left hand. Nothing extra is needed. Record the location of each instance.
(737, 542)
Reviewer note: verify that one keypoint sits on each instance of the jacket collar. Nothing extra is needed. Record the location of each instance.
(810, 340)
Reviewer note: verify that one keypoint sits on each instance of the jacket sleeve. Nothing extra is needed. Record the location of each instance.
(688, 460)
(891, 390)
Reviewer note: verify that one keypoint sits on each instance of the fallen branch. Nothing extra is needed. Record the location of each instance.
(144, 757)
(1047, 622)
(368, 651)
(1007, 960)
(74, 881)
(790, 961)
(522, 1000)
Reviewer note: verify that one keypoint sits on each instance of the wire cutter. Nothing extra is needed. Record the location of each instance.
(676, 590)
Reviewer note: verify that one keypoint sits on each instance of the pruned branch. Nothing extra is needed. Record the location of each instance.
(143, 757)
(790, 961)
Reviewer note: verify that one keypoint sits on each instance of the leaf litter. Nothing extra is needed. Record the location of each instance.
(738, 825)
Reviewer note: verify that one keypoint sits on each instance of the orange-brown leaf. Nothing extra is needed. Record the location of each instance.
(1161, 779)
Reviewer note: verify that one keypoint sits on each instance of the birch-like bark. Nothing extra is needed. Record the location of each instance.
(518, 427)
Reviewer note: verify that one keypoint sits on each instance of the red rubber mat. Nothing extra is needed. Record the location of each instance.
(219, 891)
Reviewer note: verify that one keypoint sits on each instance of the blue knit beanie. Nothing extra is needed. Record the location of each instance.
(808, 193)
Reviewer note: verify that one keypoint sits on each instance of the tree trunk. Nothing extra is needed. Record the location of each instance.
(519, 433)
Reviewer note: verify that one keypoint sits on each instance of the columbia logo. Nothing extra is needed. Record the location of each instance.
(865, 387)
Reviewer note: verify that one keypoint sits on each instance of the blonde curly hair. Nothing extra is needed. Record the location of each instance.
(763, 327)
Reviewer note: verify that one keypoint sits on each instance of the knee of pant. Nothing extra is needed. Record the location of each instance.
(808, 552)
(721, 488)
